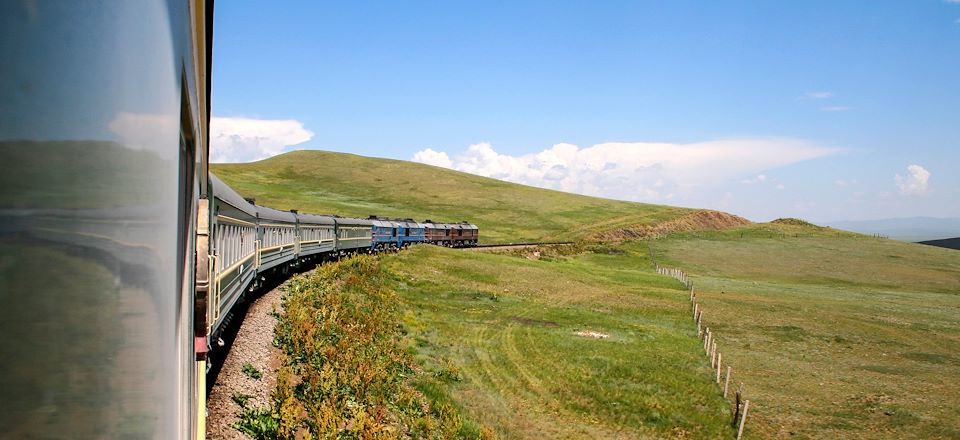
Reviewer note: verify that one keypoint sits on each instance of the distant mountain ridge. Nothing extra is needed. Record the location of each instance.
(906, 229)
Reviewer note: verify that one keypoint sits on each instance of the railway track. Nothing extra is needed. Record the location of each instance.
(515, 245)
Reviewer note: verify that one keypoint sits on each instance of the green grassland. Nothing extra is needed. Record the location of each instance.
(443, 343)
(345, 184)
(835, 335)
(508, 324)
(346, 372)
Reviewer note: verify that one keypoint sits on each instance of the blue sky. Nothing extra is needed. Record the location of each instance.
(765, 109)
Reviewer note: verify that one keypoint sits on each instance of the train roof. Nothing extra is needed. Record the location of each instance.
(275, 215)
(223, 192)
(351, 221)
(382, 223)
(314, 219)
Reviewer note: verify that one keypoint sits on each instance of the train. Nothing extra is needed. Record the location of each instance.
(249, 244)
(121, 257)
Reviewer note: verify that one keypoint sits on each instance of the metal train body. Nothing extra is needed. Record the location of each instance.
(250, 243)
(409, 232)
(461, 234)
(127, 257)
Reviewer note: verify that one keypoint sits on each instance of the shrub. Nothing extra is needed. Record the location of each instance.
(347, 373)
(251, 371)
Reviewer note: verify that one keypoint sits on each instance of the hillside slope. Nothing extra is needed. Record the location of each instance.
(836, 335)
(346, 184)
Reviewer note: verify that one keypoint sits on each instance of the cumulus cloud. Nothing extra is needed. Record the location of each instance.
(435, 158)
(916, 181)
(631, 171)
(236, 139)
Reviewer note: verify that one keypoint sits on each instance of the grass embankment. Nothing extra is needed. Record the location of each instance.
(835, 335)
(508, 324)
(347, 372)
(442, 343)
(345, 184)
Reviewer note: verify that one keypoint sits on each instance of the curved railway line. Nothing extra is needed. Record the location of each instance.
(481, 247)
(125, 261)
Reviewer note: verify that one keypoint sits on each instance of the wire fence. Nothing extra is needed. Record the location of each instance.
(739, 405)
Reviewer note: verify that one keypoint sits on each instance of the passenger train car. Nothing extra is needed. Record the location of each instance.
(250, 244)
(124, 259)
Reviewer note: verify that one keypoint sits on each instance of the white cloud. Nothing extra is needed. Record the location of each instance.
(237, 139)
(632, 171)
(818, 95)
(916, 182)
(759, 179)
(435, 158)
(780, 186)
(835, 108)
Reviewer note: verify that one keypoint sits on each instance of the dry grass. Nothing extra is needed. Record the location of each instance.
(347, 374)
(835, 335)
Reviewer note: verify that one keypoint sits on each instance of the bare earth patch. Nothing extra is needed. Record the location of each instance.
(592, 334)
(700, 220)
(254, 346)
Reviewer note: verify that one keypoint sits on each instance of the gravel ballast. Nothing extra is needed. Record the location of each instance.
(253, 345)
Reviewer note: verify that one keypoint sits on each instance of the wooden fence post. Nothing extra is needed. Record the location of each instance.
(726, 383)
(737, 405)
(713, 353)
(743, 418)
(719, 361)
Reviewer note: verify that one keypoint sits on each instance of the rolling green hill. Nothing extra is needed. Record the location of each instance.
(834, 334)
(345, 184)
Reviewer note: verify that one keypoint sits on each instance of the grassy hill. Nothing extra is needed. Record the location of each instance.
(835, 335)
(323, 182)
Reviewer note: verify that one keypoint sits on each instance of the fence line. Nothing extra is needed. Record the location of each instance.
(709, 339)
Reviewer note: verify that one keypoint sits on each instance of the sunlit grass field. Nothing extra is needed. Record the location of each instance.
(322, 182)
(508, 325)
(835, 335)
